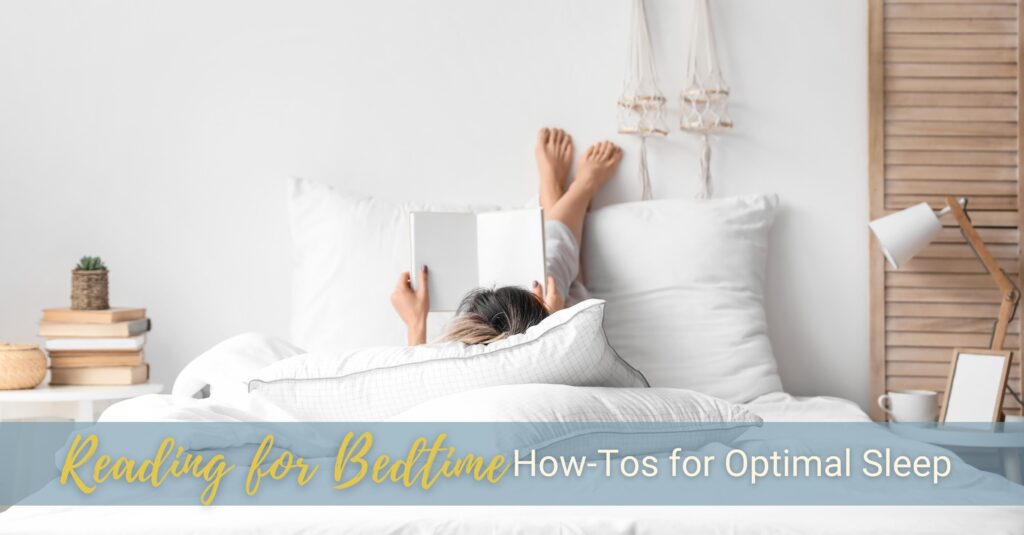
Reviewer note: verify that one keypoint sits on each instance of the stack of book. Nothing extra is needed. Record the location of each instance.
(95, 347)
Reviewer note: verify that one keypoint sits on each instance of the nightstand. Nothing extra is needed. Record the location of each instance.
(78, 403)
(1009, 444)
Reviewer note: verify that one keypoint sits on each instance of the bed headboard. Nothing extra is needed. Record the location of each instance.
(944, 95)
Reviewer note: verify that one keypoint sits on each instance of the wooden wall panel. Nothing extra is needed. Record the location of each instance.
(945, 118)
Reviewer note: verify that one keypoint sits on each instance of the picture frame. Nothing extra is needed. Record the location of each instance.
(976, 385)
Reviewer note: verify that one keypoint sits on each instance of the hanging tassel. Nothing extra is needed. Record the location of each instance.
(645, 175)
(705, 168)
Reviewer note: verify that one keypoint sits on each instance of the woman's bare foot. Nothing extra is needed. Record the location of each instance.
(597, 165)
(554, 158)
(595, 168)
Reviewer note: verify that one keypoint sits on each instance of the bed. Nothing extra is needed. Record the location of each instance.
(679, 312)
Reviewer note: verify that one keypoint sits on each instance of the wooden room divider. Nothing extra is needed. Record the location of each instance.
(944, 85)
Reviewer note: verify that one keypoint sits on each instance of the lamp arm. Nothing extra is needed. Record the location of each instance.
(1011, 294)
(1007, 308)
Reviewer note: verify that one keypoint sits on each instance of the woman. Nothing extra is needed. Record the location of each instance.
(487, 315)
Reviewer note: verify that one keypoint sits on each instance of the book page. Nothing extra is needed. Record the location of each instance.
(510, 248)
(446, 244)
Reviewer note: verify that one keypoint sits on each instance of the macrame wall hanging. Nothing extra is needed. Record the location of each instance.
(706, 95)
(642, 104)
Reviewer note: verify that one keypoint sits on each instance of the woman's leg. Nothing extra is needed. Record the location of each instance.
(564, 211)
(594, 169)
(554, 158)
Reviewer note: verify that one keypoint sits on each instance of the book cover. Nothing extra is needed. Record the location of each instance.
(121, 329)
(115, 375)
(464, 251)
(133, 343)
(111, 315)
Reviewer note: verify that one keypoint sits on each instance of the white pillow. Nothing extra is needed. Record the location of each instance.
(568, 347)
(347, 251)
(225, 369)
(684, 282)
(570, 419)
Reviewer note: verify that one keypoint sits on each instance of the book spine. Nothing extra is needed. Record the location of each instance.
(94, 344)
(64, 315)
(87, 363)
(94, 330)
(137, 353)
(108, 375)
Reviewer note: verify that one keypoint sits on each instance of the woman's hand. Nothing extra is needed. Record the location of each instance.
(412, 305)
(551, 298)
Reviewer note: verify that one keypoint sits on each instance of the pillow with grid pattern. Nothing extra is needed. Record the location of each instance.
(569, 347)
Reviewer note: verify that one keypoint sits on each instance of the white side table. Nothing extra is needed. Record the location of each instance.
(1010, 444)
(56, 400)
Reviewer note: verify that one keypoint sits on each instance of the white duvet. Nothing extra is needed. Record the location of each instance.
(228, 402)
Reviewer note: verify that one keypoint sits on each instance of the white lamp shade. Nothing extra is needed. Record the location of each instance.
(905, 233)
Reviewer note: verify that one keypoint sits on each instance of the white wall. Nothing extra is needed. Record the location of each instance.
(156, 134)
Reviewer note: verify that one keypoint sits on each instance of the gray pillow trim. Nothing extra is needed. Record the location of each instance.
(624, 362)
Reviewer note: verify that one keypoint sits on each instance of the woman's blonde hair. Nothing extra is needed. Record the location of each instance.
(489, 315)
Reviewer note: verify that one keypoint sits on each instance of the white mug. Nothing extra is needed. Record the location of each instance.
(910, 405)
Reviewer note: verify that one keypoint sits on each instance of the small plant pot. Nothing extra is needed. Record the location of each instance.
(21, 366)
(89, 290)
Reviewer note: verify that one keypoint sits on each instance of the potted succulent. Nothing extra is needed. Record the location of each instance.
(89, 285)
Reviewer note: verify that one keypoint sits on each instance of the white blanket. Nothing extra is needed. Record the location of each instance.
(225, 370)
(782, 407)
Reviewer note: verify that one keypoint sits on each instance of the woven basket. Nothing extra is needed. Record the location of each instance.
(89, 290)
(21, 366)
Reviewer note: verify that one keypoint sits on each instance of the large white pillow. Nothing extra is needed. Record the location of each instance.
(684, 282)
(348, 251)
(568, 347)
(574, 420)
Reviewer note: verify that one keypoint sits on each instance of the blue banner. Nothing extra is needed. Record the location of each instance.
(509, 464)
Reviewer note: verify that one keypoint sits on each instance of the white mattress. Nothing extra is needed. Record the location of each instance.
(731, 520)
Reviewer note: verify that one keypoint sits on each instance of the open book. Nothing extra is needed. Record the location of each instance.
(463, 251)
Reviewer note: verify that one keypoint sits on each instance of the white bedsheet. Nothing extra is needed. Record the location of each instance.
(783, 407)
